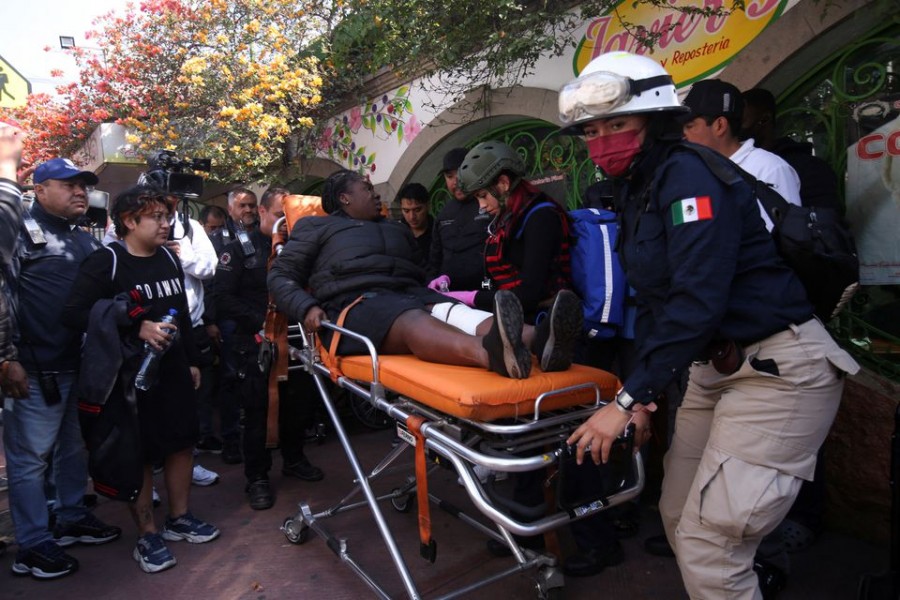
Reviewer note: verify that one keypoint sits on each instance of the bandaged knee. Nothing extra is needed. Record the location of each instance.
(459, 315)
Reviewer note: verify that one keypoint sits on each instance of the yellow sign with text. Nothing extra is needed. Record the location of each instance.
(690, 47)
(14, 88)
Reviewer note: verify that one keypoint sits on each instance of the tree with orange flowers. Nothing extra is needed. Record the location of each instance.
(245, 82)
(221, 79)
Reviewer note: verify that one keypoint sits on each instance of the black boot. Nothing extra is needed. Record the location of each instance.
(593, 561)
(259, 494)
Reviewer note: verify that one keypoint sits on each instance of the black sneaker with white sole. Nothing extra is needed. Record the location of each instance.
(507, 353)
(46, 560)
(555, 337)
(89, 530)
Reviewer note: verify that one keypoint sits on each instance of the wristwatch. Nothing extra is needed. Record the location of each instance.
(625, 402)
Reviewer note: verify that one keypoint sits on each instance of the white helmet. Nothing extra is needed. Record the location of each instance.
(616, 83)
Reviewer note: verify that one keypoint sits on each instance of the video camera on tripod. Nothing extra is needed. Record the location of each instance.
(175, 176)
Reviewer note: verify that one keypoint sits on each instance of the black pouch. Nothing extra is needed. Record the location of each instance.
(582, 487)
(49, 388)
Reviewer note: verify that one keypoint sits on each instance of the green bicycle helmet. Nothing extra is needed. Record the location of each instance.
(484, 163)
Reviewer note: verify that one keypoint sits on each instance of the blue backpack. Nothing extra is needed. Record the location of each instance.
(597, 275)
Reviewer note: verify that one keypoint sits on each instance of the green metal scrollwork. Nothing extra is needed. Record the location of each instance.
(544, 152)
(829, 108)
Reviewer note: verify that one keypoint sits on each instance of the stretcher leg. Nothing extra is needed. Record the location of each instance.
(363, 483)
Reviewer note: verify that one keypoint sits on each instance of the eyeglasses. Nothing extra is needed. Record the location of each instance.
(160, 217)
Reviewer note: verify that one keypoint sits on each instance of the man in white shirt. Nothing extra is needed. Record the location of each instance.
(716, 110)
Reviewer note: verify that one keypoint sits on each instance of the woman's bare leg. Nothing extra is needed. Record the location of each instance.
(142, 508)
(179, 466)
(417, 332)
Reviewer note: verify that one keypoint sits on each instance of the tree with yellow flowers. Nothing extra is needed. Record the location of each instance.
(220, 79)
(245, 82)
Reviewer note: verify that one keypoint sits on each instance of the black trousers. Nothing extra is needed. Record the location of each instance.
(295, 410)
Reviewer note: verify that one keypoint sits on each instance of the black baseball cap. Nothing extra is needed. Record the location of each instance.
(454, 159)
(713, 98)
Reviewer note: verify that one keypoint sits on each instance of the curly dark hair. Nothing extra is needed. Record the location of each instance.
(134, 202)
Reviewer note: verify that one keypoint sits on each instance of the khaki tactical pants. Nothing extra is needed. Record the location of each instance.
(743, 443)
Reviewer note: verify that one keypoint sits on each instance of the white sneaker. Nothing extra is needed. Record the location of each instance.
(204, 477)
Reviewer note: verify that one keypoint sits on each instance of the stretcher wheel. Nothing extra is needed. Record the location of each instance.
(401, 503)
(556, 593)
(550, 582)
(296, 532)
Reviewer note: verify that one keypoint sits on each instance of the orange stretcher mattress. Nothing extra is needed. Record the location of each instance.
(474, 393)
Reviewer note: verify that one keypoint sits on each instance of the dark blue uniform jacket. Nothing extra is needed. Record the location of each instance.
(706, 280)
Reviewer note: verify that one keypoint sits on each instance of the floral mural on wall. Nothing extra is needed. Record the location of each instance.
(388, 117)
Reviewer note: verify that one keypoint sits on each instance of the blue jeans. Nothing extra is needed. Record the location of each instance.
(34, 436)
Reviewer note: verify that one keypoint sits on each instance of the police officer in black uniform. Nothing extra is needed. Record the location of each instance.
(460, 229)
(242, 296)
(242, 216)
(241, 219)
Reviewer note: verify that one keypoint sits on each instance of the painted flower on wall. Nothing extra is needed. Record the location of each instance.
(325, 140)
(355, 120)
(386, 117)
(413, 128)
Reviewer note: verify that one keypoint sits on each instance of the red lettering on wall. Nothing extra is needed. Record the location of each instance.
(867, 148)
(893, 144)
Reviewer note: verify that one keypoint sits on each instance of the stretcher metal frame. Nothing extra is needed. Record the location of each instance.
(459, 442)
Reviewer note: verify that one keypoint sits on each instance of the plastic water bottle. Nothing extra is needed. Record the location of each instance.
(146, 375)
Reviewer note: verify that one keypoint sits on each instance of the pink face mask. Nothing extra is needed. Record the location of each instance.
(614, 153)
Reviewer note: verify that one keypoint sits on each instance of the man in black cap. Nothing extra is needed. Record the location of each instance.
(45, 424)
(457, 250)
(714, 120)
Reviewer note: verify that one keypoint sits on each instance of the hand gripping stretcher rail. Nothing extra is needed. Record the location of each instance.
(461, 417)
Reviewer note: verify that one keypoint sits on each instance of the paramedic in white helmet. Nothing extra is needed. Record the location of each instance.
(713, 296)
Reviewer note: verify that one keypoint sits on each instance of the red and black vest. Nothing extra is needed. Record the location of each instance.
(505, 275)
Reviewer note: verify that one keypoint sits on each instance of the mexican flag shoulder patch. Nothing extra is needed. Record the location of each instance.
(691, 209)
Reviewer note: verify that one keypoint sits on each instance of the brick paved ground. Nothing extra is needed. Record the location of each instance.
(253, 560)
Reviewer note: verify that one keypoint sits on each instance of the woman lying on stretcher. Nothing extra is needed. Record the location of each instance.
(330, 262)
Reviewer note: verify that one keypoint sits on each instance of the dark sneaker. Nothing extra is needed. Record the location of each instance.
(772, 580)
(152, 554)
(188, 527)
(231, 452)
(259, 494)
(507, 354)
(592, 562)
(46, 560)
(89, 530)
(555, 337)
(303, 469)
(210, 444)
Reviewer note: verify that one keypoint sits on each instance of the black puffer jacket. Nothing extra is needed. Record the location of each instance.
(329, 258)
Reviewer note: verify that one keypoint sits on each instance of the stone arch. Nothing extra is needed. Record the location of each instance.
(448, 130)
